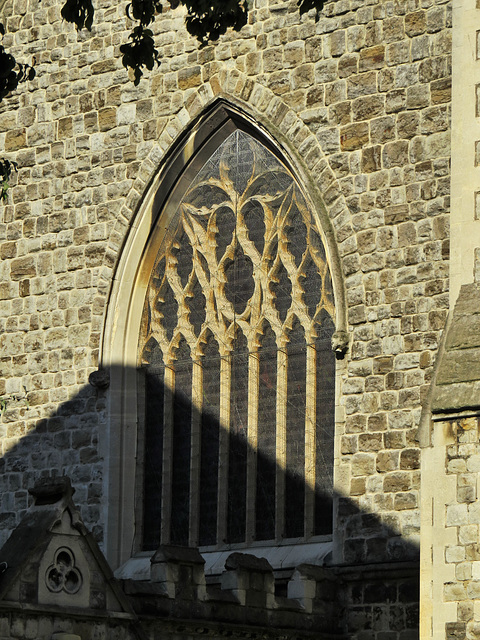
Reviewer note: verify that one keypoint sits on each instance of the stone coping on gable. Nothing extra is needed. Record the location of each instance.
(457, 387)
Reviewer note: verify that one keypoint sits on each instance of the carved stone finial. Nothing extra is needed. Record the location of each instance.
(50, 490)
(340, 343)
(100, 379)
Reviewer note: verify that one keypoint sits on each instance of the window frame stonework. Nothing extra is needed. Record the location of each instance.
(123, 447)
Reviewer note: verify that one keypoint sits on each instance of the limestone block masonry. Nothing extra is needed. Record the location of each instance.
(360, 102)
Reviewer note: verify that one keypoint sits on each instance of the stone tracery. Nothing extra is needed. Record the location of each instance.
(243, 260)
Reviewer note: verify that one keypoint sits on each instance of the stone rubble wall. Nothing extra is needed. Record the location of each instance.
(363, 96)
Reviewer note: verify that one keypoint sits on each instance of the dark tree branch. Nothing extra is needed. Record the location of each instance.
(7, 167)
(307, 5)
(141, 52)
(79, 12)
(11, 74)
(206, 20)
(9, 77)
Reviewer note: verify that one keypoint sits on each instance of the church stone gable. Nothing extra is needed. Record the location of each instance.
(359, 101)
(54, 579)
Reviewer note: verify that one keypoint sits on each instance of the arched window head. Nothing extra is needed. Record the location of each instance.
(235, 348)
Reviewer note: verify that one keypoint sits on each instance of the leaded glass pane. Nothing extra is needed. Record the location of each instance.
(238, 448)
(296, 398)
(154, 388)
(266, 451)
(182, 418)
(210, 434)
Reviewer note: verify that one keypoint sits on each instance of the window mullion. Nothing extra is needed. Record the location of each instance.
(281, 442)
(310, 433)
(253, 370)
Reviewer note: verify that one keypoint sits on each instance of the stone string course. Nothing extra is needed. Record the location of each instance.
(363, 95)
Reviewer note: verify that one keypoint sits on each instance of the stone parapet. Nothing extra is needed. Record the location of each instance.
(249, 592)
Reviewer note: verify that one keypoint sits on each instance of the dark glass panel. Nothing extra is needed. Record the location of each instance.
(168, 308)
(265, 175)
(182, 420)
(325, 432)
(316, 244)
(266, 453)
(237, 459)
(182, 250)
(227, 157)
(311, 282)
(270, 179)
(154, 402)
(211, 168)
(281, 288)
(296, 398)
(196, 305)
(240, 284)
(282, 181)
(210, 432)
(254, 220)
(204, 264)
(243, 160)
(152, 353)
(296, 232)
(226, 222)
(158, 274)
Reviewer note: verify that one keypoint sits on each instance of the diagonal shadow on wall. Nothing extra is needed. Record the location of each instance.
(379, 571)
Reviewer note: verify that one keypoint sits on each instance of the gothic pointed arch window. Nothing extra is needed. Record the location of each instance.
(235, 353)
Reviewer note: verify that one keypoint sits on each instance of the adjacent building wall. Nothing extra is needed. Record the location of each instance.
(449, 525)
